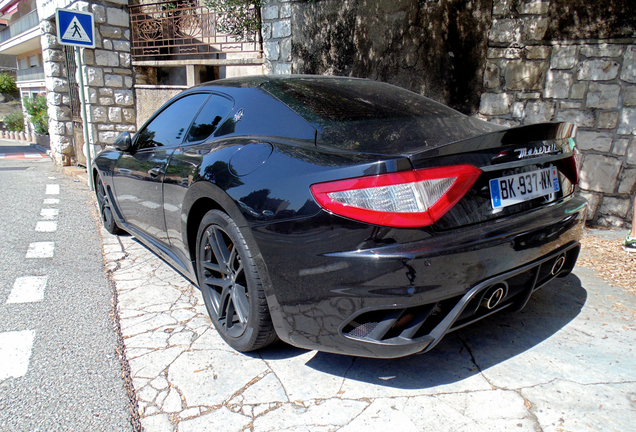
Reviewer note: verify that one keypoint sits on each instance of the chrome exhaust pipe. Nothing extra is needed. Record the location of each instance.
(494, 295)
(558, 265)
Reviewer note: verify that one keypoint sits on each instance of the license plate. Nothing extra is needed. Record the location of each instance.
(517, 188)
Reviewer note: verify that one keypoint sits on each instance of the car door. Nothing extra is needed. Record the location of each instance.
(138, 174)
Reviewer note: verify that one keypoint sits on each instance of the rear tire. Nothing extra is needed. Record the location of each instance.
(231, 285)
(105, 208)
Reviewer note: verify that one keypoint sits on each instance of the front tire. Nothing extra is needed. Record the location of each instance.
(231, 285)
(105, 208)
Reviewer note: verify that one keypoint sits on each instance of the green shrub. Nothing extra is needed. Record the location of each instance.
(38, 116)
(7, 83)
(239, 18)
(14, 121)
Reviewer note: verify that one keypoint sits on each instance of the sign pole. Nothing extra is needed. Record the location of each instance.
(87, 144)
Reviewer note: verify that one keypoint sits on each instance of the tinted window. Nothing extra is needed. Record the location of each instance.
(213, 112)
(168, 128)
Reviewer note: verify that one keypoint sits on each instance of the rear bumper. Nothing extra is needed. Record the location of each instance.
(392, 293)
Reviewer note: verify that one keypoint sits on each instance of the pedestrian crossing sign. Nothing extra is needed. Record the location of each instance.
(75, 28)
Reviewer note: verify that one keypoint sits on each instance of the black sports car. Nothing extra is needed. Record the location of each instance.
(342, 214)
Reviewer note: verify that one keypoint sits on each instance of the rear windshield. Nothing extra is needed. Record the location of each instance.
(367, 115)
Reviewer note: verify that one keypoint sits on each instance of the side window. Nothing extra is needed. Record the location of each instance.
(167, 129)
(211, 115)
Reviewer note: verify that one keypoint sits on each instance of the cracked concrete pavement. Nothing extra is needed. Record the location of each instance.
(565, 363)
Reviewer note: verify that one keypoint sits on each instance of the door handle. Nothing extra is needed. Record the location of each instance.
(155, 172)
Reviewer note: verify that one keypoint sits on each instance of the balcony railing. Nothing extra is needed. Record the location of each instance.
(21, 25)
(182, 28)
(31, 74)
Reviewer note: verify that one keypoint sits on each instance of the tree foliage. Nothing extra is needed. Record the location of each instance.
(239, 18)
(38, 116)
(7, 83)
(14, 121)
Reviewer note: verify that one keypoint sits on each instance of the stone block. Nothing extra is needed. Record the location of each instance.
(284, 11)
(128, 81)
(104, 91)
(129, 115)
(117, 17)
(88, 57)
(505, 122)
(125, 128)
(106, 101)
(270, 12)
(528, 95)
(629, 96)
(627, 125)
(124, 97)
(285, 50)
(493, 104)
(620, 146)
(281, 29)
(597, 70)
(126, 34)
(615, 206)
(107, 44)
(267, 31)
(505, 30)
(59, 113)
(271, 50)
(627, 181)
(52, 55)
(629, 65)
(631, 152)
(53, 98)
(110, 31)
(124, 59)
(105, 127)
(534, 28)
(563, 57)
(98, 114)
(492, 76)
(590, 140)
(602, 50)
(82, 6)
(523, 75)
(570, 105)
(49, 41)
(607, 120)
(602, 96)
(282, 68)
(537, 52)
(58, 85)
(558, 84)
(501, 7)
(114, 114)
(518, 110)
(599, 173)
(505, 53)
(94, 76)
(593, 200)
(538, 112)
(47, 27)
(107, 137)
(99, 12)
(121, 45)
(57, 127)
(92, 95)
(53, 69)
(583, 119)
(578, 90)
(113, 80)
(106, 58)
(533, 7)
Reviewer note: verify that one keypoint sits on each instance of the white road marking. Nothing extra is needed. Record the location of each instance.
(15, 352)
(49, 213)
(28, 289)
(49, 201)
(33, 155)
(41, 250)
(46, 226)
(52, 178)
(52, 189)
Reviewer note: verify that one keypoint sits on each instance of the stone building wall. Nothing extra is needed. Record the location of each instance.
(107, 75)
(531, 78)
(277, 41)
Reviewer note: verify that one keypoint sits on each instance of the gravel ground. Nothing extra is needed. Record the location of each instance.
(605, 255)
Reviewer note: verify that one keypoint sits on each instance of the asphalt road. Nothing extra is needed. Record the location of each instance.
(59, 370)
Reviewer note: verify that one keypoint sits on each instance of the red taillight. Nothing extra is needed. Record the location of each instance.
(404, 199)
(569, 167)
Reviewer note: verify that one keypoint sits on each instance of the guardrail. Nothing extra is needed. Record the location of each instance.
(31, 74)
(181, 28)
(21, 25)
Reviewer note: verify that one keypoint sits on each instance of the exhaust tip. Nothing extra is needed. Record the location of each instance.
(558, 265)
(494, 295)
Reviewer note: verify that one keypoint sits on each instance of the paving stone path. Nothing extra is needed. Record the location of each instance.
(566, 363)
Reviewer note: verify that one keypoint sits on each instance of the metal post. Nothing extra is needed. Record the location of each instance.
(89, 159)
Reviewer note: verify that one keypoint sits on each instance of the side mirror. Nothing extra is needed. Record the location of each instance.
(123, 142)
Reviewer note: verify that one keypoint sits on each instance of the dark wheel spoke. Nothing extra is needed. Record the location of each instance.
(219, 246)
(215, 268)
(240, 301)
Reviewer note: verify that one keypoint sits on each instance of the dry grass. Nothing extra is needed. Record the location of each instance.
(610, 262)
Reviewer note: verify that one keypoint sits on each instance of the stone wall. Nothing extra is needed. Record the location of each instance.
(276, 31)
(107, 75)
(531, 77)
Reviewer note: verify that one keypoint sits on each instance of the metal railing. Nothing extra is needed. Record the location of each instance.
(21, 25)
(182, 28)
(31, 74)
